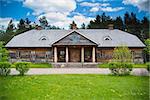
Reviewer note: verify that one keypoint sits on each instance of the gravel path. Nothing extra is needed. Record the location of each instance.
(41, 71)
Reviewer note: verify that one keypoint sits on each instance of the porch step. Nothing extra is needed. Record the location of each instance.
(74, 65)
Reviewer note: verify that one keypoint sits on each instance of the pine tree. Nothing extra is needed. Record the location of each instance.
(118, 23)
(83, 26)
(43, 22)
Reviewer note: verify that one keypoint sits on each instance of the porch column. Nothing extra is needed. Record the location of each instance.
(67, 54)
(93, 54)
(82, 54)
(55, 54)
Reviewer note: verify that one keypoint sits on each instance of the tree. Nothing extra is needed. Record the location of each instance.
(127, 20)
(118, 23)
(83, 26)
(145, 27)
(121, 64)
(27, 23)
(43, 22)
(147, 50)
(21, 25)
(100, 22)
(10, 26)
(122, 54)
(3, 53)
(6, 36)
(98, 19)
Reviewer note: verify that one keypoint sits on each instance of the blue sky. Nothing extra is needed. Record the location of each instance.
(62, 12)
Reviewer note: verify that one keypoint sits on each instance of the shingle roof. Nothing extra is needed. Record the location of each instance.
(33, 38)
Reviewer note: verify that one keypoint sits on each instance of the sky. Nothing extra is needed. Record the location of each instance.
(62, 12)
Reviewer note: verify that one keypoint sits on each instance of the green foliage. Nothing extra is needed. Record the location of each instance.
(121, 62)
(148, 66)
(147, 49)
(100, 22)
(122, 54)
(5, 68)
(3, 53)
(43, 22)
(106, 65)
(118, 68)
(41, 65)
(22, 67)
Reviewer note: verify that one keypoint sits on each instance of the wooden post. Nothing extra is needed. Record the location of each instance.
(67, 54)
(93, 54)
(55, 54)
(82, 54)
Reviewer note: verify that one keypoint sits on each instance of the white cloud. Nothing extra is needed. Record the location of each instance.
(44, 6)
(79, 0)
(28, 14)
(101, 7)
(94, 4)
(106, 9)
(4, 22)
(94, 9)
(110, 9)
(89, 4)
(141, 4)
(56, 11)
(61, 20)
(54, 16)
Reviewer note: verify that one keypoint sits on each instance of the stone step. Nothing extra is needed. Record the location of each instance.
(74, 65)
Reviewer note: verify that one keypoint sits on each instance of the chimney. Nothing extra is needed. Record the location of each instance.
(73, 26)
(110, 26)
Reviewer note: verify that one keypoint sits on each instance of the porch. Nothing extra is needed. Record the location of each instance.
(75, 54)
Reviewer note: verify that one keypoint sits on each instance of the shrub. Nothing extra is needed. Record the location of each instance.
(118, 68)
(22, 67)
(3, 53)
(148, 66)
(122, 54)
(5, 68)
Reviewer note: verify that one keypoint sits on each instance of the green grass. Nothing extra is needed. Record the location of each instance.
(38, 65)
(74, 87)
(105, 65)
(41, 65)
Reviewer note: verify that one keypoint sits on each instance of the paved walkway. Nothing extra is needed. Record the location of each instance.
(41, 71)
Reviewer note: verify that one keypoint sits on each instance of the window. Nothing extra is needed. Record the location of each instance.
(25, 54)
(41, 55)
(43, 38)
(107, 38)
(104, 55)
(49, 54)
(12, 55)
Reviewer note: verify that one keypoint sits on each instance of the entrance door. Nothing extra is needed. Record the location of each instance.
(61, 54)
(74, 54)
(88, 54)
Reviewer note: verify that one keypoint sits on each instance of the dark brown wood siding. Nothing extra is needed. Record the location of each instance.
(105, 54)
(31, 54)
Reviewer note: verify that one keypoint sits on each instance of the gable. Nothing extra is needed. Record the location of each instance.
(74, 38)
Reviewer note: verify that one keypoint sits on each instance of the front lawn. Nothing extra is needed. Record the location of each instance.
(41, 65)
(38, 65)
(74, 87)
(105, 65)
